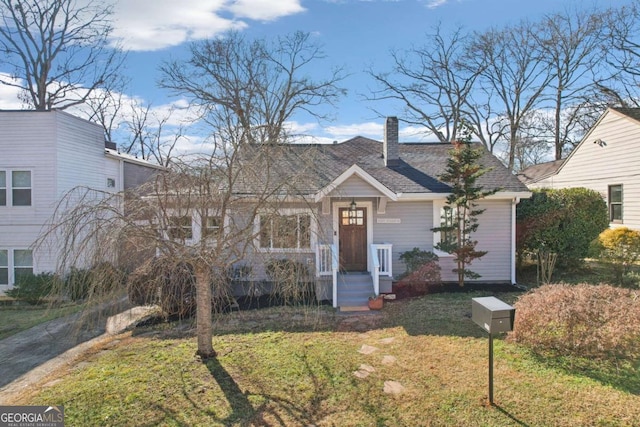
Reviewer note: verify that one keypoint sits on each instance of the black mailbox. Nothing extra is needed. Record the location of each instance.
(492, 314)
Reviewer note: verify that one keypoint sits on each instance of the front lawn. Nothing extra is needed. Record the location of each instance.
(420, 362)
(17, 318)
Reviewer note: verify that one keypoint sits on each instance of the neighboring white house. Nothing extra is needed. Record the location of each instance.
(361, 203)
(607, 160)
(43, 155)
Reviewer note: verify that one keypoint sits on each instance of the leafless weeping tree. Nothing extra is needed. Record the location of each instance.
(431, 82)
(58, 50)
(210, 211)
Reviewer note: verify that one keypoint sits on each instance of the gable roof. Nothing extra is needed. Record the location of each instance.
(316, 169)
(539, 172)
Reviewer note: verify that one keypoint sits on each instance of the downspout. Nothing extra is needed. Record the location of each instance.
(513, 240)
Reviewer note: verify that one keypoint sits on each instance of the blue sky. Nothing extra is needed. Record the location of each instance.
(355, 34)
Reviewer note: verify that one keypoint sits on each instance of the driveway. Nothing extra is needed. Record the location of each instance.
(30, 355)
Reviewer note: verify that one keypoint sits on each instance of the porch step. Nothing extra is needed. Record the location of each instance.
(354, 290)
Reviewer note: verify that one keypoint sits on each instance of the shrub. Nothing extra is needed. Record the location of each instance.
(77, 284)
(620, 247)
(177, 288)
(143, 284)
(580, 320)
(291, 280)
(96, 282)
(561, 221)
(33, 288)
(416, 258)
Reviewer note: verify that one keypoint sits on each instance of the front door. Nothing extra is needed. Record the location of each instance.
(353, 239)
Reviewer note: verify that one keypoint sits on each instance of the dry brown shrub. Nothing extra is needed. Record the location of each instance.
(582, 320)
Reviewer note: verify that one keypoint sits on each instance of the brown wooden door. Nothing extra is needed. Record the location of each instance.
(353, 239)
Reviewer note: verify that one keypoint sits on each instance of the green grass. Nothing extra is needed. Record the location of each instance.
(17, 318)
(292, 368)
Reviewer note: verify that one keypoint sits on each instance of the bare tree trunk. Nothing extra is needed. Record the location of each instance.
(204, 327)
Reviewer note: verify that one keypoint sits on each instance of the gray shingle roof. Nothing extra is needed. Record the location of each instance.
(540, 171)
(313, 167)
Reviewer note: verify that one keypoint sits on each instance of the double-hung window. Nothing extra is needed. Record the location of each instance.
(211, 226)
(15, 264)
(285, 231)
(15, 188)
(615, 203)
(447, 221)
(180, 227)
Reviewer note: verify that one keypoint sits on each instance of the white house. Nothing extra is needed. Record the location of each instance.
(43, 155)
(606, 160)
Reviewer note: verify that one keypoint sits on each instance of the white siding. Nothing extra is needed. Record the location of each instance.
(61, 151)
(614, 161)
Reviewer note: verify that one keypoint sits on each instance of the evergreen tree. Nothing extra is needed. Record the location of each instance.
(462, 173)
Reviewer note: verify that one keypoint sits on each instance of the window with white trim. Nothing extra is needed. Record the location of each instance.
(615, 203)
(15, 188)
(285, 231)
(4, 267)
(21, 188)
(447, 219)
(22, 263)
(3, 188)
(211, 226)
(180, 227)
(14, 264)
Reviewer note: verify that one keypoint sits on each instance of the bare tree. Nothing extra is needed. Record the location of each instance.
(514, 73)
(431, 83)
(253, 87)
(572, 46)
(58, 50)
(623, 58)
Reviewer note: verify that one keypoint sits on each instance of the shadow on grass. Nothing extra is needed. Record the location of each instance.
(513, 418)
(623, 375)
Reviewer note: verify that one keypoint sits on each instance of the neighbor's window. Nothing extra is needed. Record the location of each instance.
(615, 203)
(285, 231)
(211, 227)
(447, 218)
(3, 188)
(21, 188)
(4, 267)
(22, 263)
(111, 183)
(180, 227)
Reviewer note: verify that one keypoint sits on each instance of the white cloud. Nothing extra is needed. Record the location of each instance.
(264, 10)
(436, 3)
(9, 95)
(141, 25)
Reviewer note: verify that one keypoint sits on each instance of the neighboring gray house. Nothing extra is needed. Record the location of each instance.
(363, 202)
(43, 155)
(606, 160)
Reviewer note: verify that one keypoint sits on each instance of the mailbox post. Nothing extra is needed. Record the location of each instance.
(494, 316)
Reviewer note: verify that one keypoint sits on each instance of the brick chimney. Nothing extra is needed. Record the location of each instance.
(390, 150)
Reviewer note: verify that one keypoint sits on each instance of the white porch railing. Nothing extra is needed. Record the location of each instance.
(383, 253)
(327, 265)
(324, 260)
(375, 269)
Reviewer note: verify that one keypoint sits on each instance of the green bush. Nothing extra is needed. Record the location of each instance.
(422, 266)
(96, 282)
(33, 288)
(561, 221)
(620, 248)
(597, 321)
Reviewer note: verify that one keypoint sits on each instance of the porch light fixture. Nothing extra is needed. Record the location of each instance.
(352, 212)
